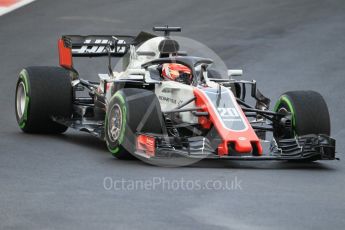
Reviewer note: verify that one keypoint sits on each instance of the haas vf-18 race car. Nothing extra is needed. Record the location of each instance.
(164, 102)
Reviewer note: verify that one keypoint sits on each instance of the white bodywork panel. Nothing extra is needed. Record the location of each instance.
(172, 94)
(150, 46)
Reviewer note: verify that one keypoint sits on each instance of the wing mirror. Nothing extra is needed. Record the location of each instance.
(235, 72)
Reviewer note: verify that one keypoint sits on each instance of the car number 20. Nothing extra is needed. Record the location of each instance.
(228, 112)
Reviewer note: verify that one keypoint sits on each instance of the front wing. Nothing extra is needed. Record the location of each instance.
(303, 148)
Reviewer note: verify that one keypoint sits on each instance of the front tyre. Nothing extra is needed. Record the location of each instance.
(309, 115)
(309, 112)
(130, 111)
(43, 92)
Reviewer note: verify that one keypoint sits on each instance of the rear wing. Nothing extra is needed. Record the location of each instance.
(96, 46)
(92, 46)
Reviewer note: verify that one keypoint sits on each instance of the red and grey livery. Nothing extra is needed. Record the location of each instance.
(139, 113)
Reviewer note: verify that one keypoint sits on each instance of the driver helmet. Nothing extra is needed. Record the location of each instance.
(176, 72)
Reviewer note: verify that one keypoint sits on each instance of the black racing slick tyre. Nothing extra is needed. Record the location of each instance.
(129, 112)
(309, 112)
(43, 92)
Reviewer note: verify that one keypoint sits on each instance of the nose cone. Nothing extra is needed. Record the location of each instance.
(243, 145)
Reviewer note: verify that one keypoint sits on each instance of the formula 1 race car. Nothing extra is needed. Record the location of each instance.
(165, 103)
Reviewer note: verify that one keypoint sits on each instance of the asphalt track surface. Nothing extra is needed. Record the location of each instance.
(56, 182)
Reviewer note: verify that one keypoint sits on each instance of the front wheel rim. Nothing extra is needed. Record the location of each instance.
(115, 123)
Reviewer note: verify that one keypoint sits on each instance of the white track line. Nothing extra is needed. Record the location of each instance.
(5, 10)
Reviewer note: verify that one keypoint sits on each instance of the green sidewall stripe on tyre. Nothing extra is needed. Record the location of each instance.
(289, 104)
(124, 117)
(23, 76)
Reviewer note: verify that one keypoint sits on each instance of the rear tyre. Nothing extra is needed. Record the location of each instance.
(43, 92)
(131, 111)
